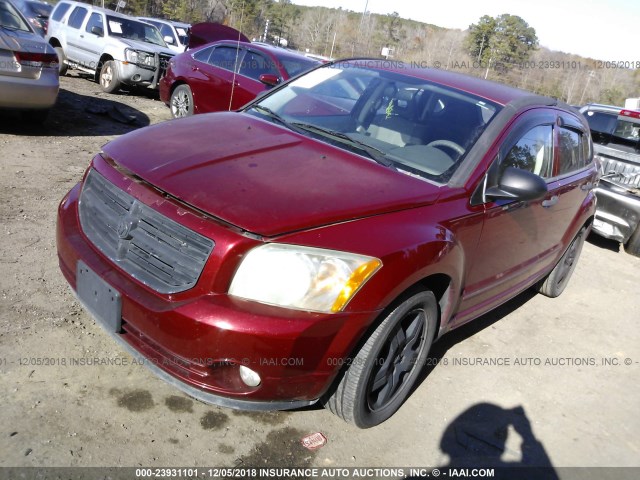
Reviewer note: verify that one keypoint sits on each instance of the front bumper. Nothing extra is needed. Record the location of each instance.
(132, 74)
(197, 340)
(618, 212)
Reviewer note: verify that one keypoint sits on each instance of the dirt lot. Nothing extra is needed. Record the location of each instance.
(564, 390)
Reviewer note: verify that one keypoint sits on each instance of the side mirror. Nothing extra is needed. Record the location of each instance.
(169, 39)
(516, 184)
(99, 31)
(269, 79)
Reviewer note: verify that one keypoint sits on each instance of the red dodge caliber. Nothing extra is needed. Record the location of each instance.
(313, 245)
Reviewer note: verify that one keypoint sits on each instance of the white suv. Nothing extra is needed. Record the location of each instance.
(115, 48)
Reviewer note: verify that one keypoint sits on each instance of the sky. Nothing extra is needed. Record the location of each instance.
(606, 30)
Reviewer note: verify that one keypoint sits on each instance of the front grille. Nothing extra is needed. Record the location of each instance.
(163, 64)
(150, 247)
(623, 173)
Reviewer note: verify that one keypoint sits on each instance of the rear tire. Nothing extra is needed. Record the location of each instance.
(109, 80)
(62, 67)
(554, 284)
(181, 102)
(632, 246)
(384, 370)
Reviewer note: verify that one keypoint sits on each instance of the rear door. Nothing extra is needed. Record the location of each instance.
(75, 43)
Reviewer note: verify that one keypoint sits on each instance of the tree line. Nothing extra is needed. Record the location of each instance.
(503, 48)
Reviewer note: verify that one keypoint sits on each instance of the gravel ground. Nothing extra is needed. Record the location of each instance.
(567, 398)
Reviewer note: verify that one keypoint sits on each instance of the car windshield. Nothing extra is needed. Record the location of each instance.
(43, 10)
(11, 19)
(294, 66)
(415, 126)
(134, 30)
(183, 35)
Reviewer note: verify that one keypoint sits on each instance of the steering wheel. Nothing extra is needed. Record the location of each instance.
(447, 143)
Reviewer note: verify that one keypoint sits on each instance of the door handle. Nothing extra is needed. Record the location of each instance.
(550, 202)
(587, 186)
(194, 68)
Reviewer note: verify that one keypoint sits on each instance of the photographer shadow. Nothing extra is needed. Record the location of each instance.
(485, 436)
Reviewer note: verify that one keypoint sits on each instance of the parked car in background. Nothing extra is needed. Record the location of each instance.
(616, 142)
(311, 246)
(36, 12)
(226, 75)
(115, 48)
(175, 34)
(28, 67)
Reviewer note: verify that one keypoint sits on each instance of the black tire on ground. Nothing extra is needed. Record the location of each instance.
(108, 78)
(383, 371)
(181, 103)
(37, 117)
(632, 246)
(62, 67)
(554, 283)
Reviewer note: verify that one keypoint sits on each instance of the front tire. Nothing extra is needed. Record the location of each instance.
(181, 102)
(554, 284)
(109, 80)
(385, 369)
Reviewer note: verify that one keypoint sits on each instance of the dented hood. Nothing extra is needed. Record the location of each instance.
(261, 177)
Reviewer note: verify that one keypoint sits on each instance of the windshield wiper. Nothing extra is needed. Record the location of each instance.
(376, 154)
(274, 116)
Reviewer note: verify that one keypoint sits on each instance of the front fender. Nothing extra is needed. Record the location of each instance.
(412, 244)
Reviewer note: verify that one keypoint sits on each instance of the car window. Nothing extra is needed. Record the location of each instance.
(95, 20)
(253, 65)
(608, 128)
(134, 30)
(419, 127)
(167, 31)
(42, 10)
(203, 55)
(11, 19)
(627, 130)
(77, 17)
(183, 35)
(295, 66)
(225, 57)
(60, 10)
(533, 152)
(570, 149)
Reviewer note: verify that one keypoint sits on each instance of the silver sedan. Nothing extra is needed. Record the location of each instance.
(28, 67)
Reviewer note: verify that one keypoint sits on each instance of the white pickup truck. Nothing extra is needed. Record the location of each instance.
(117, 49)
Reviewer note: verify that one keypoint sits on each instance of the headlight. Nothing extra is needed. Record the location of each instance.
(138, 57)
(302, 278)
(131, 56)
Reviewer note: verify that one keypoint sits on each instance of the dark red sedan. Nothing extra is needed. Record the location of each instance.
(226, 75)
(313, 245)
